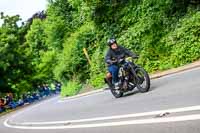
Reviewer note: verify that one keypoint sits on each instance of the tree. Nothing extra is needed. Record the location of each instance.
(12, 52)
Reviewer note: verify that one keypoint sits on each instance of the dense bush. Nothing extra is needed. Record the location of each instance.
(184, 42)
(70, 88)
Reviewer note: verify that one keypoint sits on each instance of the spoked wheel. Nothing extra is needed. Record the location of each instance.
(142, 80)
(116, 93)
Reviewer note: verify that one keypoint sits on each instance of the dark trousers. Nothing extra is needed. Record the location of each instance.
(114, 69)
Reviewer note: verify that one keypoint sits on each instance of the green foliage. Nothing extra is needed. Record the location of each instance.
(13, 60)
(70, 88)
(36, 39)
(184, 40)
(22, 87)
(55, 31)
(37, 51)
(73, 61)
(45, 69)
(97, 69)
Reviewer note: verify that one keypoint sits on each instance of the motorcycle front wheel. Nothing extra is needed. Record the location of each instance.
(142, 80)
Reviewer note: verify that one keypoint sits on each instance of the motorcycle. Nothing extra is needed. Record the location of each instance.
(130, 76)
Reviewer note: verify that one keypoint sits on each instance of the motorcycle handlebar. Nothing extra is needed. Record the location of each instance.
(120, 60)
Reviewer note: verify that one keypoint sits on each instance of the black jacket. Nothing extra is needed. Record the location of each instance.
(118, 53)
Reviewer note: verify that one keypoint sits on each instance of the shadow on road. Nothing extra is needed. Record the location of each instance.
(152, 88)
(131, 93)
(135, 91)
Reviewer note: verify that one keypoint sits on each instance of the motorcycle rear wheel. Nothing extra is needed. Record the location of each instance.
(116, 93)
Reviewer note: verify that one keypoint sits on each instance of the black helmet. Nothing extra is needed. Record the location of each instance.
(111, 41)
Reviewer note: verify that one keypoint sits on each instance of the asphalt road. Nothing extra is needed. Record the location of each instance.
(171, 106)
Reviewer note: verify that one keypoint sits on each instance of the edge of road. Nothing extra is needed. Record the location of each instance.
(152, 76)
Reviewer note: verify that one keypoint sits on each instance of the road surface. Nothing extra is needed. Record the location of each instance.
(171, 106)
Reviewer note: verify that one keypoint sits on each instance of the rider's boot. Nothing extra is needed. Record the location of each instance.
(117, 86)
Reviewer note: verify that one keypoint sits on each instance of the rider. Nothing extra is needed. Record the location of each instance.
(114, 53)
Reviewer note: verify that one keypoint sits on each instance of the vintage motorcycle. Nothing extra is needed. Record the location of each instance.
(130, 76)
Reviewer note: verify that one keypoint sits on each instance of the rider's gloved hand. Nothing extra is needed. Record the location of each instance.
(110, 62)
(120, 60)
(114, 61)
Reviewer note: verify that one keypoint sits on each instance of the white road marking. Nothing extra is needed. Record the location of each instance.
(42, 125)
(177, 110)
(34, 106)
(109, 124)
